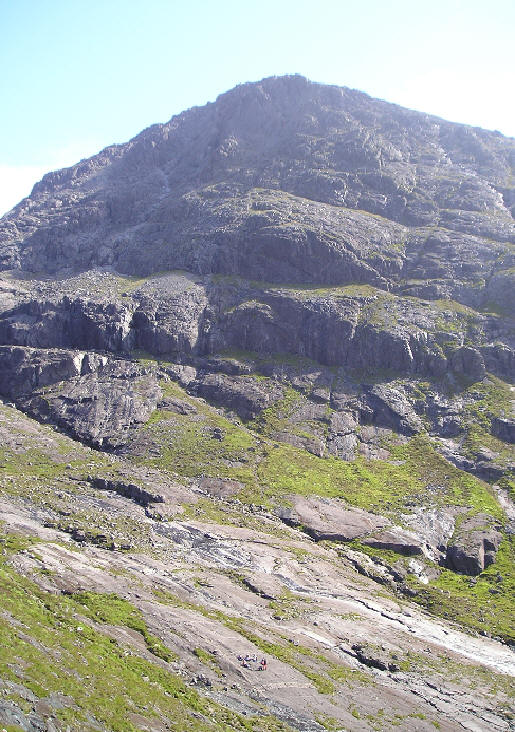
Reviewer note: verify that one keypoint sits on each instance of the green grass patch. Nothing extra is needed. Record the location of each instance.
(423, 477)
(113, 610)
(207, 444)
(208, 659)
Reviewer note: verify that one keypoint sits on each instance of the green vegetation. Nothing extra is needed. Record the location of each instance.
(52, 648)
(479, 604)
(60, 470)
(203, 444)
(288, 605)
(375, 485)
(276, 417)
(485, 400)
(483, 603)
(329, 723)
(208, 659)
(113, 610)
(207, 444)
(285, 415)
(491, 398)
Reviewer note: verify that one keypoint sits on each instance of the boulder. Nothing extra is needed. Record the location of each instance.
(329, 519)
(221, 487)
(474, 545)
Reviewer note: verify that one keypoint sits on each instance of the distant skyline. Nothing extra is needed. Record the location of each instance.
(78, 76)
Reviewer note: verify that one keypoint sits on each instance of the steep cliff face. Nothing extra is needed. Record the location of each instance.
(275, 180)
(290, 313)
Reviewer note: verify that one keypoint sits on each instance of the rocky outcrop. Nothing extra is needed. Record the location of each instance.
(468, 361)
(247, 397)
(376, 292)
(474, 545)
(327, 519)
(23, 370)
(376, 657)
(504, 429)
(162, 322)
(220, 487)
(389, 407)
(94, 398)
(137, 493)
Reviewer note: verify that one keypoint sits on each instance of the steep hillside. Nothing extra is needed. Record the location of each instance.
(257, 372)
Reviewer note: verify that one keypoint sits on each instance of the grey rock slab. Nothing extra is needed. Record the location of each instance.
(330, 520)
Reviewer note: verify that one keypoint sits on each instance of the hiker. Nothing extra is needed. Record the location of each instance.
(263, 664)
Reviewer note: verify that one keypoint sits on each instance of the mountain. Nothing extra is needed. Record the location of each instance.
(257, 377)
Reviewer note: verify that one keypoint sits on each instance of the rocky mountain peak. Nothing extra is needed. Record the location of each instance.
(180, 190)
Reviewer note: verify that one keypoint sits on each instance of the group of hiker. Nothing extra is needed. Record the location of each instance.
(248, 659)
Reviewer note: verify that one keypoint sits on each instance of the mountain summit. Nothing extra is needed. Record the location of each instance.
(187, 194)
(257, 374)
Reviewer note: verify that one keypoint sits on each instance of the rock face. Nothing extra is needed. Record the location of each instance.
(311, 150)
(255, 361)
(475, 545)
(308, 221)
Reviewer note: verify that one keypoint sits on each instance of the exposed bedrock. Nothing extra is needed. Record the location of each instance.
(24, 369)
(247, 397)
(367, 331)
(94, 398)
(326, 519)
(474, 546)
(504, 429)
(344, 332)
(160, 326)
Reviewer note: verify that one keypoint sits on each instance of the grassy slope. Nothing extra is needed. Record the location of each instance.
(271, 471)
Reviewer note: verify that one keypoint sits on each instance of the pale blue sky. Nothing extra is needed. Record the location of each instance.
(77, 75)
